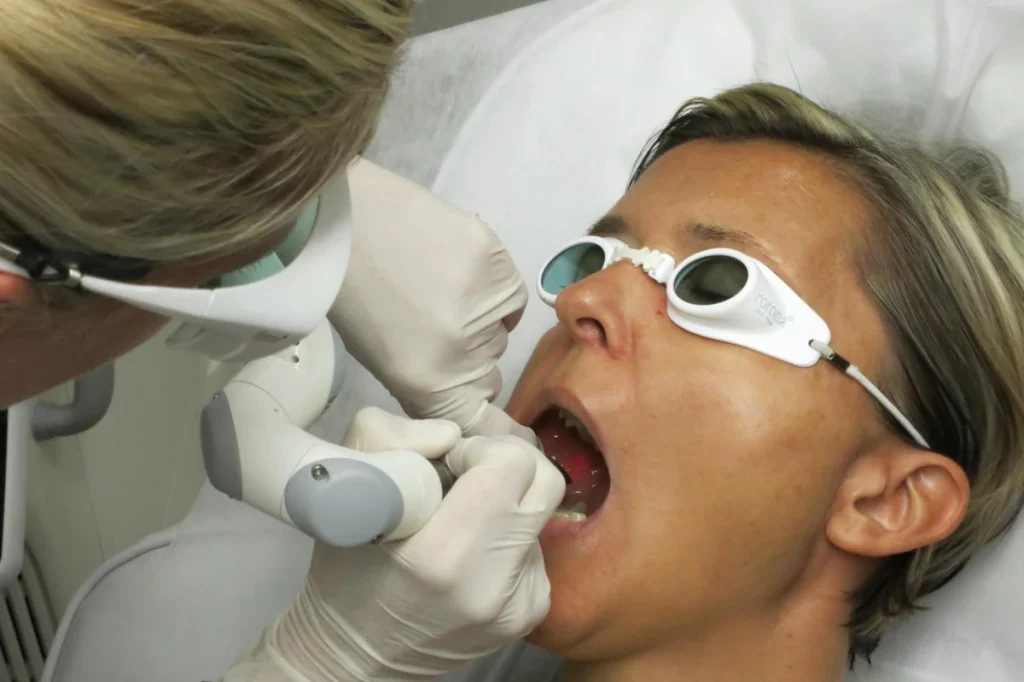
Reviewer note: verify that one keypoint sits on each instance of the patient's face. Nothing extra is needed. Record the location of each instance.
(722, 462)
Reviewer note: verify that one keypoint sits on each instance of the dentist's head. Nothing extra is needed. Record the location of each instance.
(188, 133)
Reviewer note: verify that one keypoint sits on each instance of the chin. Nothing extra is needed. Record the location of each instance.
(585, 590)
(579, 541)
(575, 631)
(560, 634)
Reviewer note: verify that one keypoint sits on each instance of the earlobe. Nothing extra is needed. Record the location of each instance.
(896, 502)
(16, 291)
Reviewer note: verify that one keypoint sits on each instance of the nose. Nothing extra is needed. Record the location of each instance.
(606, 309)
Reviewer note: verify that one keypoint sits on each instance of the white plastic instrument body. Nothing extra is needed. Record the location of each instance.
(257, 450)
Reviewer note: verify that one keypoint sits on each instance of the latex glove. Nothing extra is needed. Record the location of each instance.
(427, 303)
(471, 581)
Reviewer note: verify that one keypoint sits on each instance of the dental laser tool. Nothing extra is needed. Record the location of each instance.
(272, 315)
(256, 449)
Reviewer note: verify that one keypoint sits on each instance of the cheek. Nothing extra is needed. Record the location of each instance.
(732, 459)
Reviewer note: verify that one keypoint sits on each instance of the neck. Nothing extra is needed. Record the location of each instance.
(804, 641)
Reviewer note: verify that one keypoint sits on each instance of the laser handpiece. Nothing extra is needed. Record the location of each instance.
(257, 449)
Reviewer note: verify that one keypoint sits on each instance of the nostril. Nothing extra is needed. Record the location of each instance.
(589, 329)
(595, 312)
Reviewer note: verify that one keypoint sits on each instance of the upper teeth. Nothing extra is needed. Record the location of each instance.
(571, 421)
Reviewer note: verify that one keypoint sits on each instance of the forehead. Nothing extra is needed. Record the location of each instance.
(793, 202)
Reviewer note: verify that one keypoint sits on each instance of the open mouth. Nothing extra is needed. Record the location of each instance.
(568, 443)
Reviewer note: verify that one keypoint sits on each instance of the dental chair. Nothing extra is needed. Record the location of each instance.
(533, 120)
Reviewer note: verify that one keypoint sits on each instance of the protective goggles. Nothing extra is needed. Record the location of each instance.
(720, 294)
(254, 312)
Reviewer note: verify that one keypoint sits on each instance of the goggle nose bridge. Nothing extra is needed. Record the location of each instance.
(658, 266)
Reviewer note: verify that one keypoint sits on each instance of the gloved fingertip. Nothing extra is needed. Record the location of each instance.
(448, 436)
(376, 430)
(525, 433)
(457, 459)
(435, 437)
(494, 421)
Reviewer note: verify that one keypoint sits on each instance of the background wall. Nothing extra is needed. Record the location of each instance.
(432, 15)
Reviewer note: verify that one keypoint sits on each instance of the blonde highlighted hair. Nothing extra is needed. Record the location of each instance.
(170, 130)
(944, 263)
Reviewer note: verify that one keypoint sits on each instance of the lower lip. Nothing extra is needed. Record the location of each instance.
(558, 530)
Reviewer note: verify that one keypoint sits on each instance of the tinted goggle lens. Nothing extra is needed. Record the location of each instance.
(710, 280)
(570, 266)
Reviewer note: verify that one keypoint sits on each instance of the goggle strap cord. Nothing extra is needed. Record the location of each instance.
(854, 372)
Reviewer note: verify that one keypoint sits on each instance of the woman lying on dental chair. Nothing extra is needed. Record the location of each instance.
(755, 513)
(738, 508)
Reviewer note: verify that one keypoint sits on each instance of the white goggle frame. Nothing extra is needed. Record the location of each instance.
(765, 315)
(248, 321)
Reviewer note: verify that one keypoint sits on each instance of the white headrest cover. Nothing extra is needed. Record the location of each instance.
(551, 146)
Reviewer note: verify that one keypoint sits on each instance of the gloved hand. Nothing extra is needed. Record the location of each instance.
(427, 303)
(471, 581)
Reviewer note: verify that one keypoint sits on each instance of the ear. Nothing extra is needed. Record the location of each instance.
(16, 291)
(896, 501)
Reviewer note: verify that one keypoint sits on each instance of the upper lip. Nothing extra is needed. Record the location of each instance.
(563, 397)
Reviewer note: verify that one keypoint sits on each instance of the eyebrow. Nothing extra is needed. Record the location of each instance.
(616, 226)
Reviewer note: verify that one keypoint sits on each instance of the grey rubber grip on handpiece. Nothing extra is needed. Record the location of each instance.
(348, 503)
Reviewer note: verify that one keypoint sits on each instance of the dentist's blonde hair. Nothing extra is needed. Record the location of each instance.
(944, 263)
(173, 129)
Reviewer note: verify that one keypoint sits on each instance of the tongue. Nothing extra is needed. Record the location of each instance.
(581, 461)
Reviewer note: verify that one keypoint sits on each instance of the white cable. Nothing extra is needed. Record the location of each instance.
(150, 544)
(887, 404)
(852, 370)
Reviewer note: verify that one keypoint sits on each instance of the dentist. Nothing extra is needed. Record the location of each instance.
(148, 150)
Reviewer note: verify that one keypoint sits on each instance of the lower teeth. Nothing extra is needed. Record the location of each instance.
(576, 513)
